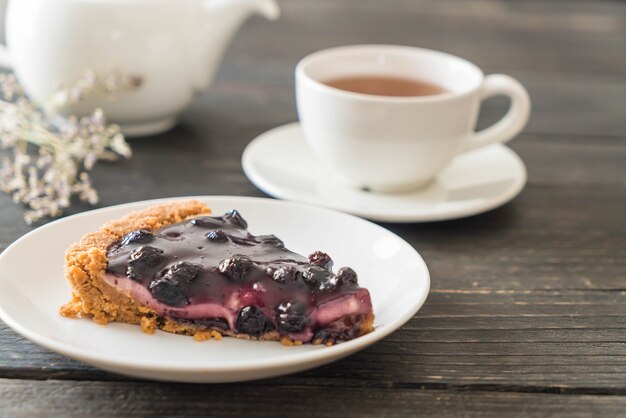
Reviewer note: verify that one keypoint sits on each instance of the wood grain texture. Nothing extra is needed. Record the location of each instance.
(21, 399)
(519, 340)
(527, 314)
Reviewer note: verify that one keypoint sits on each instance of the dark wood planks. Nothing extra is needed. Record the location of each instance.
(563, 104)
(53, 398)
(569, 54)
(566, 230)
(527, 315)
(556, 36)
(571, 340)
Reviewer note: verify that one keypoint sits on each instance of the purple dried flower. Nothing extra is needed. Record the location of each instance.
(66, 148)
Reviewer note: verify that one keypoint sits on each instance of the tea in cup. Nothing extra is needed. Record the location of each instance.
(390, 118)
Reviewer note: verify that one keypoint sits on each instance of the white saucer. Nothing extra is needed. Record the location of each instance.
(32, 288)
(280, 163)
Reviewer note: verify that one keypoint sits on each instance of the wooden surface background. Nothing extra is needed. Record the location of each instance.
(527, 313)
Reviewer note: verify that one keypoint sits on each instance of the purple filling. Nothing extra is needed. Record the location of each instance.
(213, 272)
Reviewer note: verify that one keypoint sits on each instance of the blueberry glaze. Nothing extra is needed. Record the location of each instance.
(207, 260)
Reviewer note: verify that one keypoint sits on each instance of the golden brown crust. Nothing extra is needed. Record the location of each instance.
(92, 297)
(85, 263)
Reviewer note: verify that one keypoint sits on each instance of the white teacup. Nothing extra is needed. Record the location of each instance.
(391, 143)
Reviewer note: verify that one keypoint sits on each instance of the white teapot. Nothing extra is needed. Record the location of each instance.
(170, 48)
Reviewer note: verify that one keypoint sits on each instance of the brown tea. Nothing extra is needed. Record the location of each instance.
(385, 86)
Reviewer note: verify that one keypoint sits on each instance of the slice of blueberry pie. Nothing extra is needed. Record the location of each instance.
(177, 268)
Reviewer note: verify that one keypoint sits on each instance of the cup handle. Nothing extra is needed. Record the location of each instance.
(510, 124)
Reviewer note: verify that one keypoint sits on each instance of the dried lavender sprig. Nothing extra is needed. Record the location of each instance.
(51, 155)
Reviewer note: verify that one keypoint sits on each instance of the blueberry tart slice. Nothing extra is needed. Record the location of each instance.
(177, 268)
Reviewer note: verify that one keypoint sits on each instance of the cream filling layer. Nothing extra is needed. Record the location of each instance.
(353, 303)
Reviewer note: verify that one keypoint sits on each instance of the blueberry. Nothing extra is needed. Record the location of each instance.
(251, 321)
(314, 275)
(285, 274)
(142, 261)
(207, 222)
(347, 276)
(321, 259)
(140, 236)
(132, 273)
(291, 316)
(234, 217)
(328, 285)
(217, 235)
(235, 267)
(147, 255)
(319, 279)
(168, 290)
(183, 272)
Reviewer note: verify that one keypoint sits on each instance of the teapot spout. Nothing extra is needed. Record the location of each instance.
(220, 20)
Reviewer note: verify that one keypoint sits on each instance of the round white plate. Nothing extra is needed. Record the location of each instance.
(32, 288)
(280, 163)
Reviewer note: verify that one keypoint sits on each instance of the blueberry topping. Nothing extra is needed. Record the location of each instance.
(131, 273)
(234, 217)
(314, 275)
(215, 260)
(285, 274)
(168, 290)
(217, 235)
(140, 236)
(319, 279)
(235, 267)
(251, 321)
(246, 242)
(147, 255)
(328, 285)
(207, 222)
(183, 272)
(271, 240)
(142, 262)
(347, 276)
(321, 259)
(291, 316)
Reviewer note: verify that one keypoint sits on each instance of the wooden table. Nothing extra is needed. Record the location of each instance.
(527, 313)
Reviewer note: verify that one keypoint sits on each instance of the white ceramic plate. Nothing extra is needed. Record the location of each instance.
(32, 288)
(280, 163)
